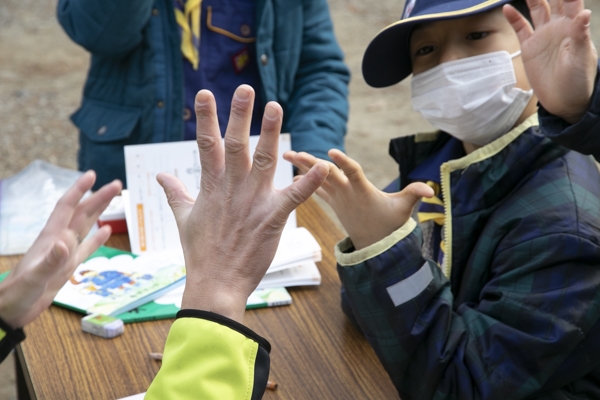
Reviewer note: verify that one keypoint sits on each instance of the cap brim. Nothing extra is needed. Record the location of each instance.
(387, 58)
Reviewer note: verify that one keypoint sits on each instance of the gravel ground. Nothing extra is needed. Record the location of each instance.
(42, 73)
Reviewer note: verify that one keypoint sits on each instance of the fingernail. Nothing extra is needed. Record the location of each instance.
(202, 97)
(322, 168)
(270, 112)
(242, 93)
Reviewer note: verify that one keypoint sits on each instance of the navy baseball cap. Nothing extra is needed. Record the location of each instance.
(387, 58)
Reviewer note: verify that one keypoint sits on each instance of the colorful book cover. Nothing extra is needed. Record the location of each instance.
(113, 281)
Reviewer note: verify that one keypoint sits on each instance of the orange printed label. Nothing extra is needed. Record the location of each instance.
(141, 227)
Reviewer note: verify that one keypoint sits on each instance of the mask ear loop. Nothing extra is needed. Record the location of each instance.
(517, 54)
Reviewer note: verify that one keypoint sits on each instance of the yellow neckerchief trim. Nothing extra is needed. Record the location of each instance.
(2, 334)
(478, 155)
(437, 217)
(457, 13)
(189, 21)
(223, 32)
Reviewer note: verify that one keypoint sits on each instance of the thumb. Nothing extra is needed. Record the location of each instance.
(178, 197)
(414, 192)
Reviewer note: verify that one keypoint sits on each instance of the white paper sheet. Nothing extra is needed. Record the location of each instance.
(152, 226)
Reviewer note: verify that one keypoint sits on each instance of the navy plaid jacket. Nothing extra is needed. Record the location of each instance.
(515, 311)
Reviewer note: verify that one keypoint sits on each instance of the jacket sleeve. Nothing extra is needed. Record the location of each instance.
(109, 28)
(515, 340)
(208, 356)
(584, 136)
(317, 111)
(9, 338)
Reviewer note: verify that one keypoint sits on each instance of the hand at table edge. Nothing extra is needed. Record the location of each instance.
(31, 286)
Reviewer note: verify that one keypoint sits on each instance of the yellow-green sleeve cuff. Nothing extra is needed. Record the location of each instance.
(208, 356)
(347, 256)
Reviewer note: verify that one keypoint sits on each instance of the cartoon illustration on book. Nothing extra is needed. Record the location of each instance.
(108, 283)
(112, 281)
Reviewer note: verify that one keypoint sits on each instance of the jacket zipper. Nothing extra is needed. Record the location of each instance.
(445, 184)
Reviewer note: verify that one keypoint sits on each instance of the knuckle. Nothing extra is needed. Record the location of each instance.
(233, 145)
(203, 114)
(239, 109)
(173, 195)
(352, 173)
(295, 196)
(206, 143)
(264, 161)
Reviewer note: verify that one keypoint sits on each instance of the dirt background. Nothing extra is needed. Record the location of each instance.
(42, 74)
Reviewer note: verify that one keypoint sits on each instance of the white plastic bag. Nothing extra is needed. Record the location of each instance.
(26, 202)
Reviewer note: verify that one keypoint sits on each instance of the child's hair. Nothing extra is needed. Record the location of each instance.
(521, 6)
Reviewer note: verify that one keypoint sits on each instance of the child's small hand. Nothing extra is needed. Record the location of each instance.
(367, 213)
(559, 56)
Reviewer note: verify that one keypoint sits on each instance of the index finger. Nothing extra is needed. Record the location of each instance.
(208, 135)
(64, 209)
(540, 12)
(87, 212)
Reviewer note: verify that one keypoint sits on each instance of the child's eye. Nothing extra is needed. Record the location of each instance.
(424, 50)
(477, 35)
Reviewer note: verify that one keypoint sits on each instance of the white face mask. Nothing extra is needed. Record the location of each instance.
(474, 99)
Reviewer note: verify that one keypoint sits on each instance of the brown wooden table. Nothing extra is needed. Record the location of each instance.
(316, 354)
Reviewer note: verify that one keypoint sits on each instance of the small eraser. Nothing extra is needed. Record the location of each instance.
(102, 325)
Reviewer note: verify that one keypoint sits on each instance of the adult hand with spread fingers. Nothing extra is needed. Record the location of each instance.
(230, 232)
(31, 286)
(560, 59)
(367, 213)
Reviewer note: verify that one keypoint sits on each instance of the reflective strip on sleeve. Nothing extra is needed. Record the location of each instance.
(411, 287)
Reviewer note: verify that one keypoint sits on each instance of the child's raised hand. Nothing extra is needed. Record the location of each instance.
(367, 213)
(559, 56)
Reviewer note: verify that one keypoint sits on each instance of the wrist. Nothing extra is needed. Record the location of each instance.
(366, 238)
(227, 302)
(8, 313)
(574, 117)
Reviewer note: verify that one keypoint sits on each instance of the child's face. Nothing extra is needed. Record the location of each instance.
(438, 42)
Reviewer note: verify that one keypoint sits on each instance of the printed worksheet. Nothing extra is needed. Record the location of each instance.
(151, 223)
